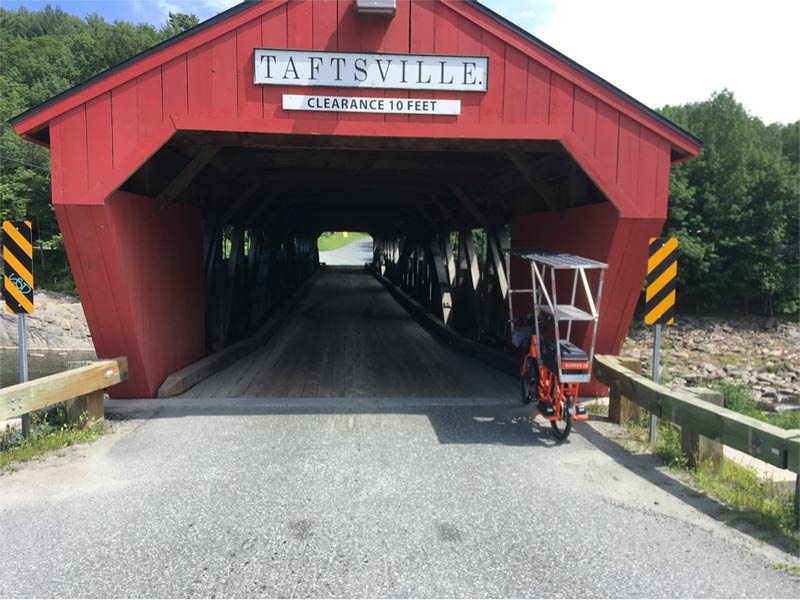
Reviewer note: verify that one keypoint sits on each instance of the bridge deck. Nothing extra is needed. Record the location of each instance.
(349, 338)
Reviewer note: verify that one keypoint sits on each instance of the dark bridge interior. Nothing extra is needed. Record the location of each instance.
(438, 211)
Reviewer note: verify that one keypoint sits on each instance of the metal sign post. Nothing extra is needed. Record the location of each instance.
(662, 270)
(656, 351)
(18, 289)
(23, 367)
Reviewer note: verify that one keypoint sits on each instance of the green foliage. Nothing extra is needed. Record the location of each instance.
(43, 54)
(178, 23)
(331, 240)
(737, 398)
(736, 208)
(787, 419)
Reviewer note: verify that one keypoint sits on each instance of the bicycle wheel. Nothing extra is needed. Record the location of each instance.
(563, 426)
(529, 380)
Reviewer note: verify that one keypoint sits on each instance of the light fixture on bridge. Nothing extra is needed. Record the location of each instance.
(375, 8)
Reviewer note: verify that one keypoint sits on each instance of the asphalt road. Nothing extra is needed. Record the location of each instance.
(363, 498)
(356, 253)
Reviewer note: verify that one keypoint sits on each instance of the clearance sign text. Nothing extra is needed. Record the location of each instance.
(407, 106)
(370, 70)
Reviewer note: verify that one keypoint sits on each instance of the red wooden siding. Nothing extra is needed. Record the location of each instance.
(140, 279)
(102, 133)
(597, 232)
(422, 40)
(210, 86)
(397, 36)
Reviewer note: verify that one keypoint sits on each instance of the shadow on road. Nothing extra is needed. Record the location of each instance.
(454, 421)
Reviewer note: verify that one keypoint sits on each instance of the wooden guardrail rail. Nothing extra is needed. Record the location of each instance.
(81, 388)
(776, 446)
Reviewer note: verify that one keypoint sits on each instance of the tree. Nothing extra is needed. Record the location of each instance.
(178, 23)
(44, 53)
(732, 208)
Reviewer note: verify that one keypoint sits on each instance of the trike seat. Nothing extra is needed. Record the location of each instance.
(521, 336)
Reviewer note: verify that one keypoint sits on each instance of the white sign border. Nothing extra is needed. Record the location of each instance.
(484, 87)
(440, 106)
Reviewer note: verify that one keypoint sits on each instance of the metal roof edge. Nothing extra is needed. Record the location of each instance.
(583, 70)
(235, 9)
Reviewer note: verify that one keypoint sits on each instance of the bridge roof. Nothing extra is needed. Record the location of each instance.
(32, 124)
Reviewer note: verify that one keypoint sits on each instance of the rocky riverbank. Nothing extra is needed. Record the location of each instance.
(57, 323)
(763, 353)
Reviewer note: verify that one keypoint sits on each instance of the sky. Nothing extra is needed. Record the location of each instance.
(658, 52)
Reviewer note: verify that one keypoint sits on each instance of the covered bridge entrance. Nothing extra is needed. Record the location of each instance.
(191, 182)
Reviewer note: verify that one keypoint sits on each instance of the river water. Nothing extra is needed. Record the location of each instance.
(40, 363)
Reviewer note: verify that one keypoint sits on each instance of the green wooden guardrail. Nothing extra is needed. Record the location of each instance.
(776, 446)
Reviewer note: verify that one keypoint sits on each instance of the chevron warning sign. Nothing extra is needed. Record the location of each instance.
(662, 269)
(18, 267)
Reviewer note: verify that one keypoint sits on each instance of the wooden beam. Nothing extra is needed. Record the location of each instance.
(756, 438)
(521, 161)
(213, 251)
(184, 178)
(234, 263)
(620, 408)
(695, 447)
(444, 210)
(255, 218)
(578, 185)
(498, 259)
(20, 399)
(442, 280)
(467, 202)
(241, 201)
(284, 142)
(449, 258)
(468, 246)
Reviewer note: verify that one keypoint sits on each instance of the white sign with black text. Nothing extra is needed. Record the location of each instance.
(370, 70)
(404, 106)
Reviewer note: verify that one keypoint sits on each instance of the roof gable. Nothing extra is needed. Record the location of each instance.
(32, 123)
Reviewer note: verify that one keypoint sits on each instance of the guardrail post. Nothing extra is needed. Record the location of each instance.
(621, 409)
(92, 404)
(698, 448)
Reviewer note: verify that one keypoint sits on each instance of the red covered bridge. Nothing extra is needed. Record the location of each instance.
(191, 182)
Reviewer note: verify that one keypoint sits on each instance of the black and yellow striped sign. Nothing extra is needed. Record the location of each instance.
(662, 269)
(18, 266)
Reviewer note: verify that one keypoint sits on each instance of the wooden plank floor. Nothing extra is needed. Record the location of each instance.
(350, 339)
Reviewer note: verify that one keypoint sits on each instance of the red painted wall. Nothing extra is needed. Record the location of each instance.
(596, 232)
(140, 280)
(102, 133)
(205, 83)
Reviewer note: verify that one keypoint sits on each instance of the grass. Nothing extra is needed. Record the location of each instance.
(331, 240)
(760, 502)
(595, 407)
(49, 432)
(793, 570)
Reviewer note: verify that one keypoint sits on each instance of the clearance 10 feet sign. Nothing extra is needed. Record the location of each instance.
(371, 71)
